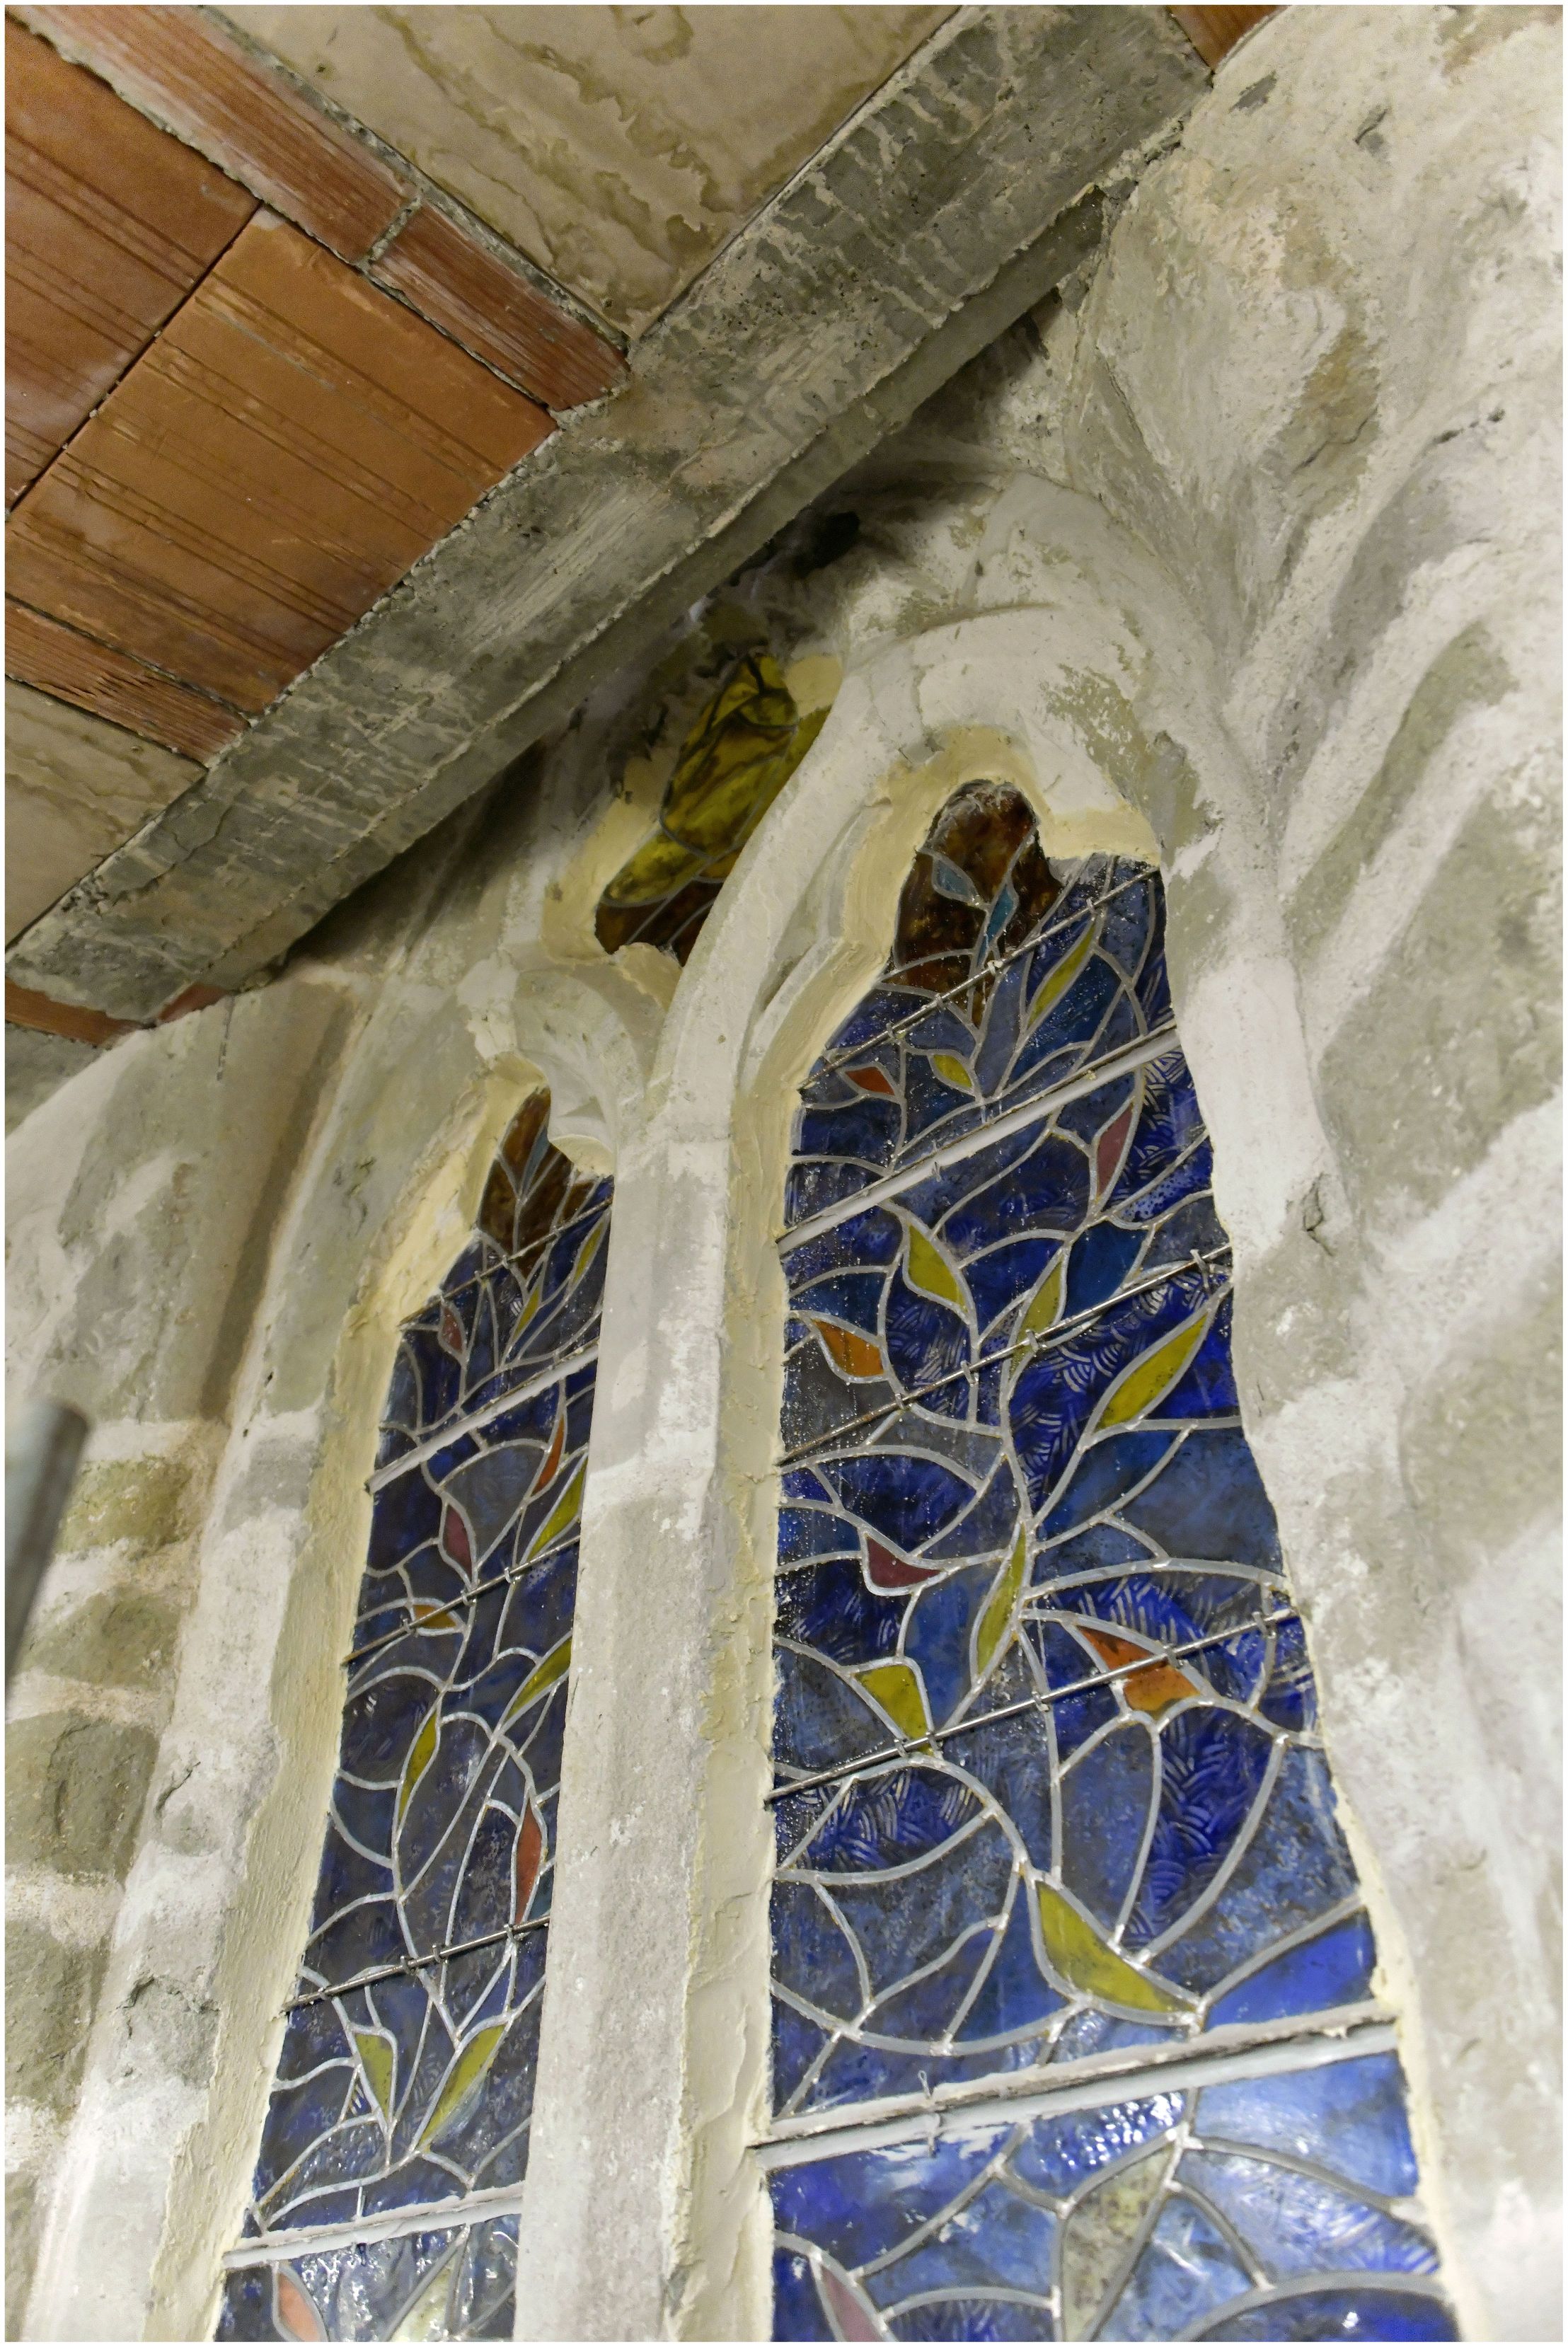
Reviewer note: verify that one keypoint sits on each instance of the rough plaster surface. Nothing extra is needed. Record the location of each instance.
(956, 197)
(76, 788)
(617, 147)
(1145, 561)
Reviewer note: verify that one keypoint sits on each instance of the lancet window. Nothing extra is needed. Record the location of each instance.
(1075, 2034)
(385, 2195)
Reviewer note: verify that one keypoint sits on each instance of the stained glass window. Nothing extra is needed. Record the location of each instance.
(743, 747)
(386, 2195)
(1074, 2033)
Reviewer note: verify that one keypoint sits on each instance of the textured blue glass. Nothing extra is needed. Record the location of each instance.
(1212, 2214)
(1050, 1783)
(407, 2068)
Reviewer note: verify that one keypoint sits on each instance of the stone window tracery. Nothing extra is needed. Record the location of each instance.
(385, 2194)
(1075, 2032)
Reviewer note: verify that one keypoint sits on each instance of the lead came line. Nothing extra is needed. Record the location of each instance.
(1041, 1342)
(432, 1621)
(486, 1416)
(988, 968)
(416, 1964)
(504, 1262)
(1089, 1079)
(910, 1748)
(1315, 2041)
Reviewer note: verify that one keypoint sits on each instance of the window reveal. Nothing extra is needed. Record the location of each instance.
(1073, 2027)
(396, 2136)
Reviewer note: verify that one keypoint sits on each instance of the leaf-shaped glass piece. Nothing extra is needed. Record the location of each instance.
(1081, 1959)
(377, 2060)
(930, 1270)
(854, 1354)
(897, 1689)
(422, 1752)
(996, 1623)
(1141, 1386)
(466, 2076)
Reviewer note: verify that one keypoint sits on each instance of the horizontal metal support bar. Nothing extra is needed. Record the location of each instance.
(506, 1263)
(1041, 1342)
(550, 1376)
(1115, 1063)
(450, 1604)
(415, 1963)
(992, 967)
(911, 1748)
(1306, 2041)
(386, 2225)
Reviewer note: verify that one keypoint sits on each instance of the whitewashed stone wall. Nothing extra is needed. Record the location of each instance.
(1236, 555)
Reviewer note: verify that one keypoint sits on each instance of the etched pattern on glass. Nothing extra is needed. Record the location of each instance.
(405, 2081)
(1050, 1796)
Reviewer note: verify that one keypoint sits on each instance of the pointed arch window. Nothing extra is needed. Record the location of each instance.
(1074, 2028)
(385, 2194)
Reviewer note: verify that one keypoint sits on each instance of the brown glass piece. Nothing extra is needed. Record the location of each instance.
(516, 1217)
(987, 832)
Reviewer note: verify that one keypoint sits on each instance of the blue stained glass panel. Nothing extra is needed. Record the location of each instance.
(406, 2073)
(1049, 1778)
(1216, 2214)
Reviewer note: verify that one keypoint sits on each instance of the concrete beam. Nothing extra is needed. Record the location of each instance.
(971, 183)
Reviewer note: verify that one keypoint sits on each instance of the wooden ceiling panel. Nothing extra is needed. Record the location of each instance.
(493, 308)
(292, 443)
(109, 224)
(179, 64)
(90, 675)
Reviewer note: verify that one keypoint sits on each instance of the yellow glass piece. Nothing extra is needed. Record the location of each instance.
(539, 1681)
(1045, 1304)
(952, 1071)
(1061, 979)
(931, 1271)
(996, 1621)
(660, 867)
(470, 2068)
(589, 1248)
(896, 1687)
(427, 2317)
(742, 749)
(564, 1512)
(1148, 1377)
(1079, 1956)
(418, 1760)
(375, 2059)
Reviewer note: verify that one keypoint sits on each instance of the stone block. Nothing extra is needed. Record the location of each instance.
(51, 1989)
(74, 1792)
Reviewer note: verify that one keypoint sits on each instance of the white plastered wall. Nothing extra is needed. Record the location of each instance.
(1195, 569)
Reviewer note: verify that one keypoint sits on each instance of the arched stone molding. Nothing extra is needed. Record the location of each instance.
(643, 2215)
(157, 2162)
